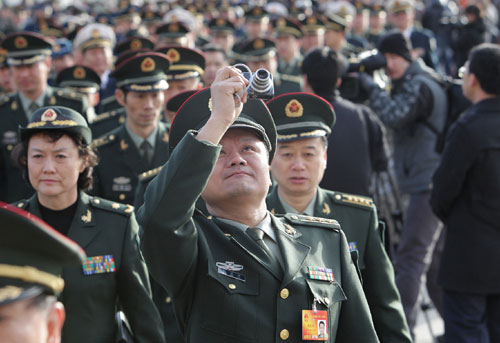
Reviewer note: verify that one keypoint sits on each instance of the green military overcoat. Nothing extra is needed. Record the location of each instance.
(357, 217)
(191, 255)
(104, 228)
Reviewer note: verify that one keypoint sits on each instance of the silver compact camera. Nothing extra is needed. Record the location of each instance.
(260, 85)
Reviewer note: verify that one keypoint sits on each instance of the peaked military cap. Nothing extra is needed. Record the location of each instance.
(196, 110)
(143, 73)
(150, 17)
(128, 12)
(129, 53)
(32, 256)
(313, 24)
(286, 26)
(301, 115)
(79, 77)
(185, 63)
(339, 15)
(396, 6)
(104, 18)
(133, 43)
(256, 14)
(26, 48)
(175, 102)
(94, 36)
(57, 118)
(221, 25)
(61, 47)
(258, 49)
(173, 30)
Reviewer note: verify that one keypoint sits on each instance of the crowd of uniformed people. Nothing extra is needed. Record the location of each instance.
(321, 211)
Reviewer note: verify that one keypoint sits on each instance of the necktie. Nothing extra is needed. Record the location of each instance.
(258, 236)
(33, 107)
(145, 151)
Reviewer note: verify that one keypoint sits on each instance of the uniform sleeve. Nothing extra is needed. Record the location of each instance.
(134, 290)
(450, 175)
(355, 322)
(381, 291)
(170, 237)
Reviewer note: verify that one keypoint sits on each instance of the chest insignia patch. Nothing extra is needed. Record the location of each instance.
(230, 269)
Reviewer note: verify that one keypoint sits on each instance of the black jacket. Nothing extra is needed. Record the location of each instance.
(466, 196)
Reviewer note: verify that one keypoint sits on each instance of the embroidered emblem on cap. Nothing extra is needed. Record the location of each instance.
(99, 265)
(220, 22)
(135, 44)
(49, 115)
(79, 73)
(95, 33)
(20, 42)
(173, 55)
(294, 109)
(173, 27)
(258, 44)
(148, 65)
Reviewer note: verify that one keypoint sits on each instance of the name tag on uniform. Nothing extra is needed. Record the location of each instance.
(230, 269)
(99, 264)
(314, 325)
(324, 274)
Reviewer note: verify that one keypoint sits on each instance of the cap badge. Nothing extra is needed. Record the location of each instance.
(49, 115)
(103, 20)
(95, 33)
(173, 55)
(281, 22)
(135, 44)
(148, 65)
(79, 73)
(257, 11)
(220, 22)
(294, 109)
(173, 27)
(311, 20)
(56, 48)
(258, 44)
(149, 15)
(20, 42)
(174, 19)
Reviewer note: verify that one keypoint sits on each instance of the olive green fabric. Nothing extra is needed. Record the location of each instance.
(182, 248)
(357, 217)
(101, 228)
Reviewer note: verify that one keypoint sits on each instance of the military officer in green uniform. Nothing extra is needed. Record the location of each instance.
(56, 156)
(313, 27)
(32, 257)
(262, 53)
(338, 24)
(303, 122)
(141, 143)
(242, 274)
(28, 57)
(288, 34)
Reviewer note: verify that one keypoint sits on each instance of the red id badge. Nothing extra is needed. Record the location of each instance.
(314, 325)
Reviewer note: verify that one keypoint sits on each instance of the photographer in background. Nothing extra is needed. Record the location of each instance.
(357, 149)
(415, 100)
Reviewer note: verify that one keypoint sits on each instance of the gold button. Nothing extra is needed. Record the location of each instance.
(21, 204)
(9, 147)
(294, 217)
(168, 300)
(232, 286)
(327, 301)
(97, 201)
(122, 196)
(284, 334)
(338, 197)
(284, 293)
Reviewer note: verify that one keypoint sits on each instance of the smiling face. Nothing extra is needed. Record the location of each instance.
(242, 170)
(54, 168)
(298, 166)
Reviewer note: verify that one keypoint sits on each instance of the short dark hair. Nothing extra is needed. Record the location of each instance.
(85, 179)
(210, 47)
(484, 63)
(322, 68)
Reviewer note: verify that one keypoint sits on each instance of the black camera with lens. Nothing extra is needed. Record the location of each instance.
(261, 85)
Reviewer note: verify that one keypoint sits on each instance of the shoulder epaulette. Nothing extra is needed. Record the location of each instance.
(112, 206)
(349, 199)
(6, 98)
(98, 142)
(312, 221)
(150, 173)
(108, 100)
(292, 78)
(106, 115)
(69, 95)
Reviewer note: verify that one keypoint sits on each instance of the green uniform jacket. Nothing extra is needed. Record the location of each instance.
(292, 68)
(103, 228)
(358, 218)
(12, 185)
(183, 247)
(287, 84)
(120, 163)
(107, 121)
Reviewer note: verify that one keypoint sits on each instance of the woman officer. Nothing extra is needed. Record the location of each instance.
(55, 156)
